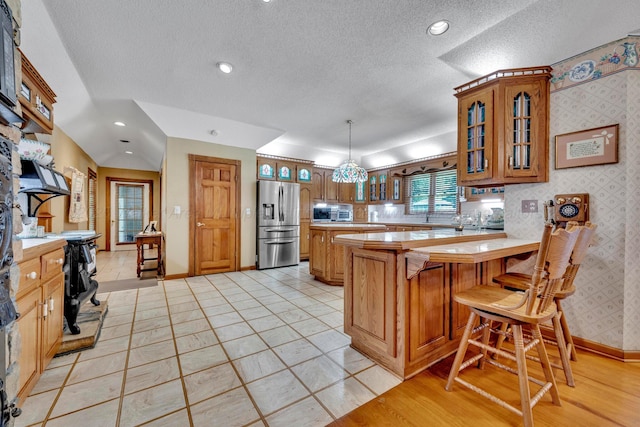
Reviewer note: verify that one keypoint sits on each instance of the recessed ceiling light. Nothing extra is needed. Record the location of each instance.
(125, 141)
(266, 1)
(128, 152)
(225, 67)
(438, 27)
(119, 123)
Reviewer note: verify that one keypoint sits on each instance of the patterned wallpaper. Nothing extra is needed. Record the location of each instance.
(606, 306)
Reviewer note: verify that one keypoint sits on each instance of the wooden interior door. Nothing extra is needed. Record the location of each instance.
(214, 202)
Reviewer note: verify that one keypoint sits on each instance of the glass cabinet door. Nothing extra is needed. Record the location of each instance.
(373, 188)
(476, 136)
(523, 135)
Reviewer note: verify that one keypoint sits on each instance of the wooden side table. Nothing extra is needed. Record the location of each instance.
(150, 239)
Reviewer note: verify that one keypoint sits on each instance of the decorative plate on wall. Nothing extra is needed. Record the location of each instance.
(582, 71)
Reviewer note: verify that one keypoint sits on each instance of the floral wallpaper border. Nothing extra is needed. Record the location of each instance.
(607, 59)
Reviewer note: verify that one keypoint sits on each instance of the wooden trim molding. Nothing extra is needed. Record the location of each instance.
(597, 348)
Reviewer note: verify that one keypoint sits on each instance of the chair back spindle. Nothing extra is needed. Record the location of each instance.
(579, 253)
(551, 264)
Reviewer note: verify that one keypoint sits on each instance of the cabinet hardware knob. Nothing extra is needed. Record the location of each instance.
(33, 275)
(45, 310)
(51, 303)
(200, 224)
(60, 261)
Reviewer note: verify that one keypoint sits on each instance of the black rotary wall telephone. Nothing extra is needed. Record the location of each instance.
(567, 207)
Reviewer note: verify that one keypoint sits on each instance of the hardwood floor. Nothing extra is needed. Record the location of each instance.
(607, 393)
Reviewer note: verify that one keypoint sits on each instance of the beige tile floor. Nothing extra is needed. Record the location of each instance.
(255, 348)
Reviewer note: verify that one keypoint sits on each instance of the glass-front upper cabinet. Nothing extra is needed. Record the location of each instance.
(382, 184)
(304, 174)
(373, 187)
(266, 169)
(503, 135)
(476, 136)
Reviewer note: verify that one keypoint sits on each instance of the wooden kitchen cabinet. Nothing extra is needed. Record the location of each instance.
(306, 205)
(277, 169)
(378, 187)
(360, 192)
(305, 174)
(347, 192)
(305, 240)
(317, 183)
(360, 213)
(395, 191)
(305, 202)
(286, 171)
(266, 168)
(503, 129)
(335, 258)
(331, 188)
(318, 253)
(40, 302)
(36, 99)
(326, 259)
(324, 189)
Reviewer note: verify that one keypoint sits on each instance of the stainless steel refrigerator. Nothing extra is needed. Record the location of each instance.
(278, 234)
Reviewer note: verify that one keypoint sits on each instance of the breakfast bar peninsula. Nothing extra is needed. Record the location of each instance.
(399, 307)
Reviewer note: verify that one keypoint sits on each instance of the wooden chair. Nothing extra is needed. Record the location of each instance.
(520, 281)
(534, 306)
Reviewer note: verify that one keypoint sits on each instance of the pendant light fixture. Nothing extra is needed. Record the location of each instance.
(349, 171)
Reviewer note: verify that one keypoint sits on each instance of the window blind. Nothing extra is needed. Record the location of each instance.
(434, 192)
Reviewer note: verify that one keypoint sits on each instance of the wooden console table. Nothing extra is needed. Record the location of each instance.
(150, 239)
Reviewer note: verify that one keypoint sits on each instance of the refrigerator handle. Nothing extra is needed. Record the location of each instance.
(280, 197)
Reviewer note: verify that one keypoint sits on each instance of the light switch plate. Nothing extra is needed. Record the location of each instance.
(529, 206)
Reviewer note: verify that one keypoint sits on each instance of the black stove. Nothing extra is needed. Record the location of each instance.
(79, 270)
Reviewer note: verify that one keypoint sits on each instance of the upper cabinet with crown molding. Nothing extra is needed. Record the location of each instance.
(36, 99)
(503, 128)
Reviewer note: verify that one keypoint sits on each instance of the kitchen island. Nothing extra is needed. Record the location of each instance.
(326, 260)
(399, 307)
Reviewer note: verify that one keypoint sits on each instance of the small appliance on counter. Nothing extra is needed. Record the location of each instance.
(322, 214)
(335, 213)
(278, 236)
(344, 213)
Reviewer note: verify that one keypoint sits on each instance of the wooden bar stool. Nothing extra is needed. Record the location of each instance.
(531, 308)
(520, 281)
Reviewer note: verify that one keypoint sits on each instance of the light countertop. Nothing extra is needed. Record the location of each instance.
(35, 247)
(478, 251)
(404, 240)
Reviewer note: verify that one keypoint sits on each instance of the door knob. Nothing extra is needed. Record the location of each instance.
(199, 224)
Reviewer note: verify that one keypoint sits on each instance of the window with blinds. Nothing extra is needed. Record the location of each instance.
(435, 192)
(93, 184)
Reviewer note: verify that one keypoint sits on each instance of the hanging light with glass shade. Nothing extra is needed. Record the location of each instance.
(349, 171)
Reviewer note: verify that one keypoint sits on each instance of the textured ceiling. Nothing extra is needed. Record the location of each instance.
(301, 69)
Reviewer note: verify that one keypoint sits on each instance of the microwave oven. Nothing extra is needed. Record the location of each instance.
(344, 215)
(322, 214)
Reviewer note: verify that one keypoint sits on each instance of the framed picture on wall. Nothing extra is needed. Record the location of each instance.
(596, 146)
